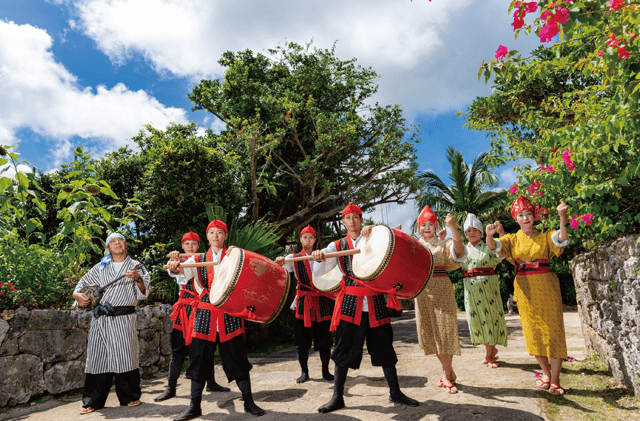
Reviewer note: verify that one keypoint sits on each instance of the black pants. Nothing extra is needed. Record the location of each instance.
(350, 338)
(233, 354)
(97, 386)
(179, 348)
(318, 333)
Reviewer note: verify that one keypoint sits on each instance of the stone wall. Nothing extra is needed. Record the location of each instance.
(608, 294)
(44, 351)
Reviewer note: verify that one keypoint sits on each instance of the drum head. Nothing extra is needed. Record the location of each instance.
(375, 253)
(226, 276)
(330, 281)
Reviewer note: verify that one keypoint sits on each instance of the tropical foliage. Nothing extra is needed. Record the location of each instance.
(469, 191)
(572, 108)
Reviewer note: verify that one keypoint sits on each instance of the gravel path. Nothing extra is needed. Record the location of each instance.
(505, 393)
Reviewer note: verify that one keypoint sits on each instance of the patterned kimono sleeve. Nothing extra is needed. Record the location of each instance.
(507, 244)
(555, 246)
(89, 278)
(494, 259)
(146, 278)
(450, 262)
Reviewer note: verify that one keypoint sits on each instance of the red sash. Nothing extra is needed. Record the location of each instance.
(478, 272)
(179, 309)
(536, 267)
(352, 290)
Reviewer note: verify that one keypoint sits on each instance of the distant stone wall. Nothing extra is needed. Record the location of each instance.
(44, 351)
(608, 294)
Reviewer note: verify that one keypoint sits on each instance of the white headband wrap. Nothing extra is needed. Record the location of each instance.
(114, 236)
(472, 221)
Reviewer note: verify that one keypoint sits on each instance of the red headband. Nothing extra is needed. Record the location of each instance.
(217, 224)
(190, 236)
(521, 203)
(427, 215)
(351, 208)
(308, 230)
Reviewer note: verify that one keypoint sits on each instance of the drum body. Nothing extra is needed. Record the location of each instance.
(329, 283)
(392, 259)
(246, 279)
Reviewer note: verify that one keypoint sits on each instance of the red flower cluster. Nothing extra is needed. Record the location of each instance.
(587, 218)
(615, 4)
(521, 11)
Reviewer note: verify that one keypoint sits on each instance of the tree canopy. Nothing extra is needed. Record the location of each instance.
(307, 138)
(571, 107)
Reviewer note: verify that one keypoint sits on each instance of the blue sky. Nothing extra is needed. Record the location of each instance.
(93, 72)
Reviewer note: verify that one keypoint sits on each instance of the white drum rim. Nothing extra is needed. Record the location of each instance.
(385, 260)
(232, 283)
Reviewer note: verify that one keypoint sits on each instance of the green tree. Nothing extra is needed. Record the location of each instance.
(180, 174)
(469, 191)
(572, 107)
(302, 123)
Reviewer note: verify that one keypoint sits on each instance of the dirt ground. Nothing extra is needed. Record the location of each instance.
(504, 393)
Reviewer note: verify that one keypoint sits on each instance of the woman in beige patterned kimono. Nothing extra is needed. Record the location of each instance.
(436, 312)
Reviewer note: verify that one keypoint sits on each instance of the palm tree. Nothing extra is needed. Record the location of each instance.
(470, 191)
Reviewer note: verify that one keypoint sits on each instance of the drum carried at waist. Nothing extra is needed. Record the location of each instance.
(392, 259)
(329, 283)
(249, 281)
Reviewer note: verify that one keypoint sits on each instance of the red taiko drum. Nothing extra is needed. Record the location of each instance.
(249, 281)
(392, 259)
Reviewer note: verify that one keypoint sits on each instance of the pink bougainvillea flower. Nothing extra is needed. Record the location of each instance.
(513, 189)
(569, 360)
(548, 31)
(632, 37)
(502, 68)
(600, 53)
(501, 52)
(587, 218)
(574, 222)
(622, 52)
(613, 41)
(537, 374)
(531, 7)
(287, 116)
(566, 157)
(518, 22)
(615, 4)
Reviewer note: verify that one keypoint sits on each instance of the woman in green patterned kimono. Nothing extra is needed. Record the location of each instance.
(482, 300)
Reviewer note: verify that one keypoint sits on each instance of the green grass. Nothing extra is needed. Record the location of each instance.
(592, 393)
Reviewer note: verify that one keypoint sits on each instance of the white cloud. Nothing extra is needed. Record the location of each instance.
(11, 172)
(40, 94)
(393, 214)
(508, 174)
(427, 53)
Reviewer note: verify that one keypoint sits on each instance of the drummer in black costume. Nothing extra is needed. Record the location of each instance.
(313, 310)
(212, 327)
(360, 314)
(181, 315)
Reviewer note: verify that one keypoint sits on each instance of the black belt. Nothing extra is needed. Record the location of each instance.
(109, 310)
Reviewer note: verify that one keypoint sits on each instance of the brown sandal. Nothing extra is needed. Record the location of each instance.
(86, 410)
(134, 403)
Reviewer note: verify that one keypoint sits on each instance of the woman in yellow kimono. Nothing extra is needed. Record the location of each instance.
(436, 312)
(537, 290)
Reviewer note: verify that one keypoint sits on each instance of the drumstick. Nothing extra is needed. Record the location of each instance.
(193, 265)
(187, 254)
(327, 255)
